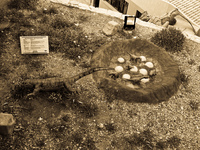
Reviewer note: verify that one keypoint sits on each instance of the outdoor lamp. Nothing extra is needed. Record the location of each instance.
(129, 21)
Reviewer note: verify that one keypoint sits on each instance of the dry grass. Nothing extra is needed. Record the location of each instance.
(61, 121)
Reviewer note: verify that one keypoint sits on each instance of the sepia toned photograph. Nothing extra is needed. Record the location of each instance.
(99, 74)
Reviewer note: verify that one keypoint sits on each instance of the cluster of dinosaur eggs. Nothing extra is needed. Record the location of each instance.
(129, 69)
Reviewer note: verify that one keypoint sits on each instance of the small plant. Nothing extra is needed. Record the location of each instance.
(23, 4)
(191, 61)
(60, 23)
(194, 105)
(110, 127)
(171, 39)
(144, 139)
(184, 79)
(51, 10)
(83, 18)
(3, 15)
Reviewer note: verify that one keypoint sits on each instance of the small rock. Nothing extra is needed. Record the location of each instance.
(110, 28)
(6, 124)
(101, 125)
(40, 119)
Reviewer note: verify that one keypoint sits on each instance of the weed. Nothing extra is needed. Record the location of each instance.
(4, 69)
(191, 61)
(171, 39)
(51, 10)
(45, 19)
(194, 105)
(23, 4)
(83, 140)
(144, 139)
(184, 79)
(161, 145)
(60, 23)
(15, 16)
(66, 118)
(3, 15)
(83, 18)
(88, 109)
(173, 142)
(110, 127)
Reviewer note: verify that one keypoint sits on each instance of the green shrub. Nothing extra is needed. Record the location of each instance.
(51, 10)
(3, 15)
(23, 4)
(60, 23)
(171, 39)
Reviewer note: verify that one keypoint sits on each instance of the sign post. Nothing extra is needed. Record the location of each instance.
(34, 44)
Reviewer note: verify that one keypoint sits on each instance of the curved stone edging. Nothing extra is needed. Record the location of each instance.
(120, 16)
(165, 84)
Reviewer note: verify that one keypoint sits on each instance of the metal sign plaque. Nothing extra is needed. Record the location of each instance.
(34, 44)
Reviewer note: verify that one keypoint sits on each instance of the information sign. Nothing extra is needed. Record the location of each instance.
(34, 44)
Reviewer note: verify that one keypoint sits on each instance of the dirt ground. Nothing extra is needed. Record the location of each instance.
(56, 120)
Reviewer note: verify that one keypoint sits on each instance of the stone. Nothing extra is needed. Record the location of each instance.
(6, 124)
(4, 25)
(110, 28)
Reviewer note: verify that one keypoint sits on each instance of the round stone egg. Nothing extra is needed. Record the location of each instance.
(119, 69)
(143, 58)
(134, 69)
(143, 71)
(121, 60)
(126, 76)
(144, 80)
(149, 64)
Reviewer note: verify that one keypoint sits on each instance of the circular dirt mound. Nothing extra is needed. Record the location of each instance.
(164, 85)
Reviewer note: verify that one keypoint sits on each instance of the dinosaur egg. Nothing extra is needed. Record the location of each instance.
(119, 69)
(126, 76)
(121, 60)
(143, 58)
(134, 69)
(149, 64)
(144, 80)
(143, 71)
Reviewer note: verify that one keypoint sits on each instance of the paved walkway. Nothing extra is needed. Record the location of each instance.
(87, 2)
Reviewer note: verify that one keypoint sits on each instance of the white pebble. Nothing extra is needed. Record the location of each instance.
(143, 71)
(40, 118)
(134, 69)
(149, 64)
(126, 76)
(143, 58)
(145, 80)
(121, 60)
(119, 69)
(101, 125)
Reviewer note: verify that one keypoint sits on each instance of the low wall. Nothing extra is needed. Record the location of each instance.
(120, 16)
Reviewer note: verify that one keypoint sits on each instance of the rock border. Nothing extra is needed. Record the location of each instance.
(120, 16)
